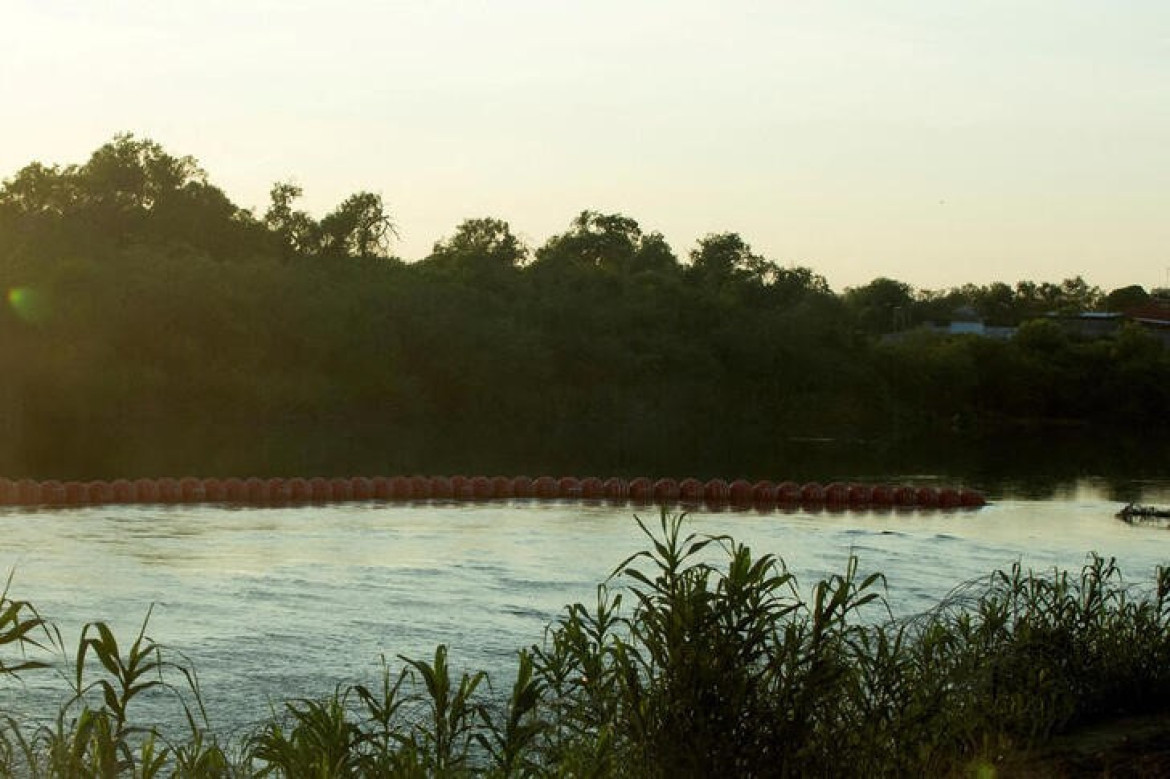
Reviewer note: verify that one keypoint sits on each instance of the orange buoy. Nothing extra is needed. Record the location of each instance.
(277, 490)
(860, 494)
(690, 490)
(502, 487)
(461, 488)
(716, 491)
(592, 488)
(299, 490)
(522, 487)
(361, 487)
(97, 492)
(75, 493)
(168, 490)
(544, 487)
(926, 496)
(971, 498)
(145, 491)
(28, 492)
(665, 490)
(949, 498)
(122, 491)
(641, 490)
(836, 493)
(400, 488)
(812, 492)
(481, 488)
(191, 490)
(380, 485)
(763, 492)
(256, 490)
(340, 489)
(420, 488)
(788, 492)
(617, 490)
(882, 495)
(440, 488)
(905, 496)
(568, 487)
(740, 493)
(384, 487)
(235, 490)
(52, 493)
(214, 491)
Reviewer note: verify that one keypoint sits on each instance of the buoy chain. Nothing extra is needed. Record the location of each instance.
(640, 490)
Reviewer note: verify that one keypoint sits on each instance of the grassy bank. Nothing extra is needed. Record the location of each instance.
(680, 667)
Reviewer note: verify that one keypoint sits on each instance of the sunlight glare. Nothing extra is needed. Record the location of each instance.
(28, 304)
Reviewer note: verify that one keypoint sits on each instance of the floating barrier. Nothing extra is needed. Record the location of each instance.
(716, 491)
(616, 490)
(592, 488)
(641, 490)
(740, 492)
(763, 493)
(688, 492)
(665, 491)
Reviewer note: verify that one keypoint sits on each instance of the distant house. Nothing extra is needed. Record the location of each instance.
(1091, 324)
(1154, 318)
(965, 320)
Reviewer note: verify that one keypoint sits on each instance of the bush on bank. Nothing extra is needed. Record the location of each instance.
(681, 667)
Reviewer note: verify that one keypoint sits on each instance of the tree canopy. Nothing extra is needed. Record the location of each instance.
(152, 325)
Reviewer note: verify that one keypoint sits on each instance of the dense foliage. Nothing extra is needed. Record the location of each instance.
(719, 666)
(154, 327)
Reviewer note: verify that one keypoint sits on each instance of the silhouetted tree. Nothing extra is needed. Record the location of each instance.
(882, 306)
(359, 227)
(480, 243)
(610, 242)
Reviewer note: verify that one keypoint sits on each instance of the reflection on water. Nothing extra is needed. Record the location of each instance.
(275, 603)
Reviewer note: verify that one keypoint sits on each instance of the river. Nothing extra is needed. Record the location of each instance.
(269, 604)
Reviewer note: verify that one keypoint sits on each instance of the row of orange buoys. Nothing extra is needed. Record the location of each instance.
(279, 491)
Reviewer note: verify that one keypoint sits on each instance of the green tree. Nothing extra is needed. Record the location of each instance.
(725, 257)
(882, 306)
(129, 190)
(611, 242)
(359, 227)
(481, 243)
(130, 172)
(1124, 298)
(295, 231)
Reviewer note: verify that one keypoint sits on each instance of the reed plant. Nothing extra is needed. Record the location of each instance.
(696, 658)
(92, 733)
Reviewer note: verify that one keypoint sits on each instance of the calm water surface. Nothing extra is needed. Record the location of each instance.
(270, 604)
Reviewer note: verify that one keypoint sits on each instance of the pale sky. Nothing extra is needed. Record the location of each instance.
(937, 142)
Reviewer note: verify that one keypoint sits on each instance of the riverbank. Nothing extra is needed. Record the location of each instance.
(1123, 748)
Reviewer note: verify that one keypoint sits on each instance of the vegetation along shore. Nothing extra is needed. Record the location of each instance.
(154, 327)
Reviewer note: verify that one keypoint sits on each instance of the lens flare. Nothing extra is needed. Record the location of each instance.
(27, 303)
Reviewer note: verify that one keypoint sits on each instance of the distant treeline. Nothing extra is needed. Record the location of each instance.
(152, 326)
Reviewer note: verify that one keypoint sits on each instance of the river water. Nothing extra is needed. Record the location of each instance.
(270, 604)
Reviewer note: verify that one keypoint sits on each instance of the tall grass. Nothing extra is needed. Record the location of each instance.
(696, 658)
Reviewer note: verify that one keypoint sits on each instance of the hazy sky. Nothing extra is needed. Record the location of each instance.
(936, 141)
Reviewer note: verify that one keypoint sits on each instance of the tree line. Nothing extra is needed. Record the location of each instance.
(155, 327)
